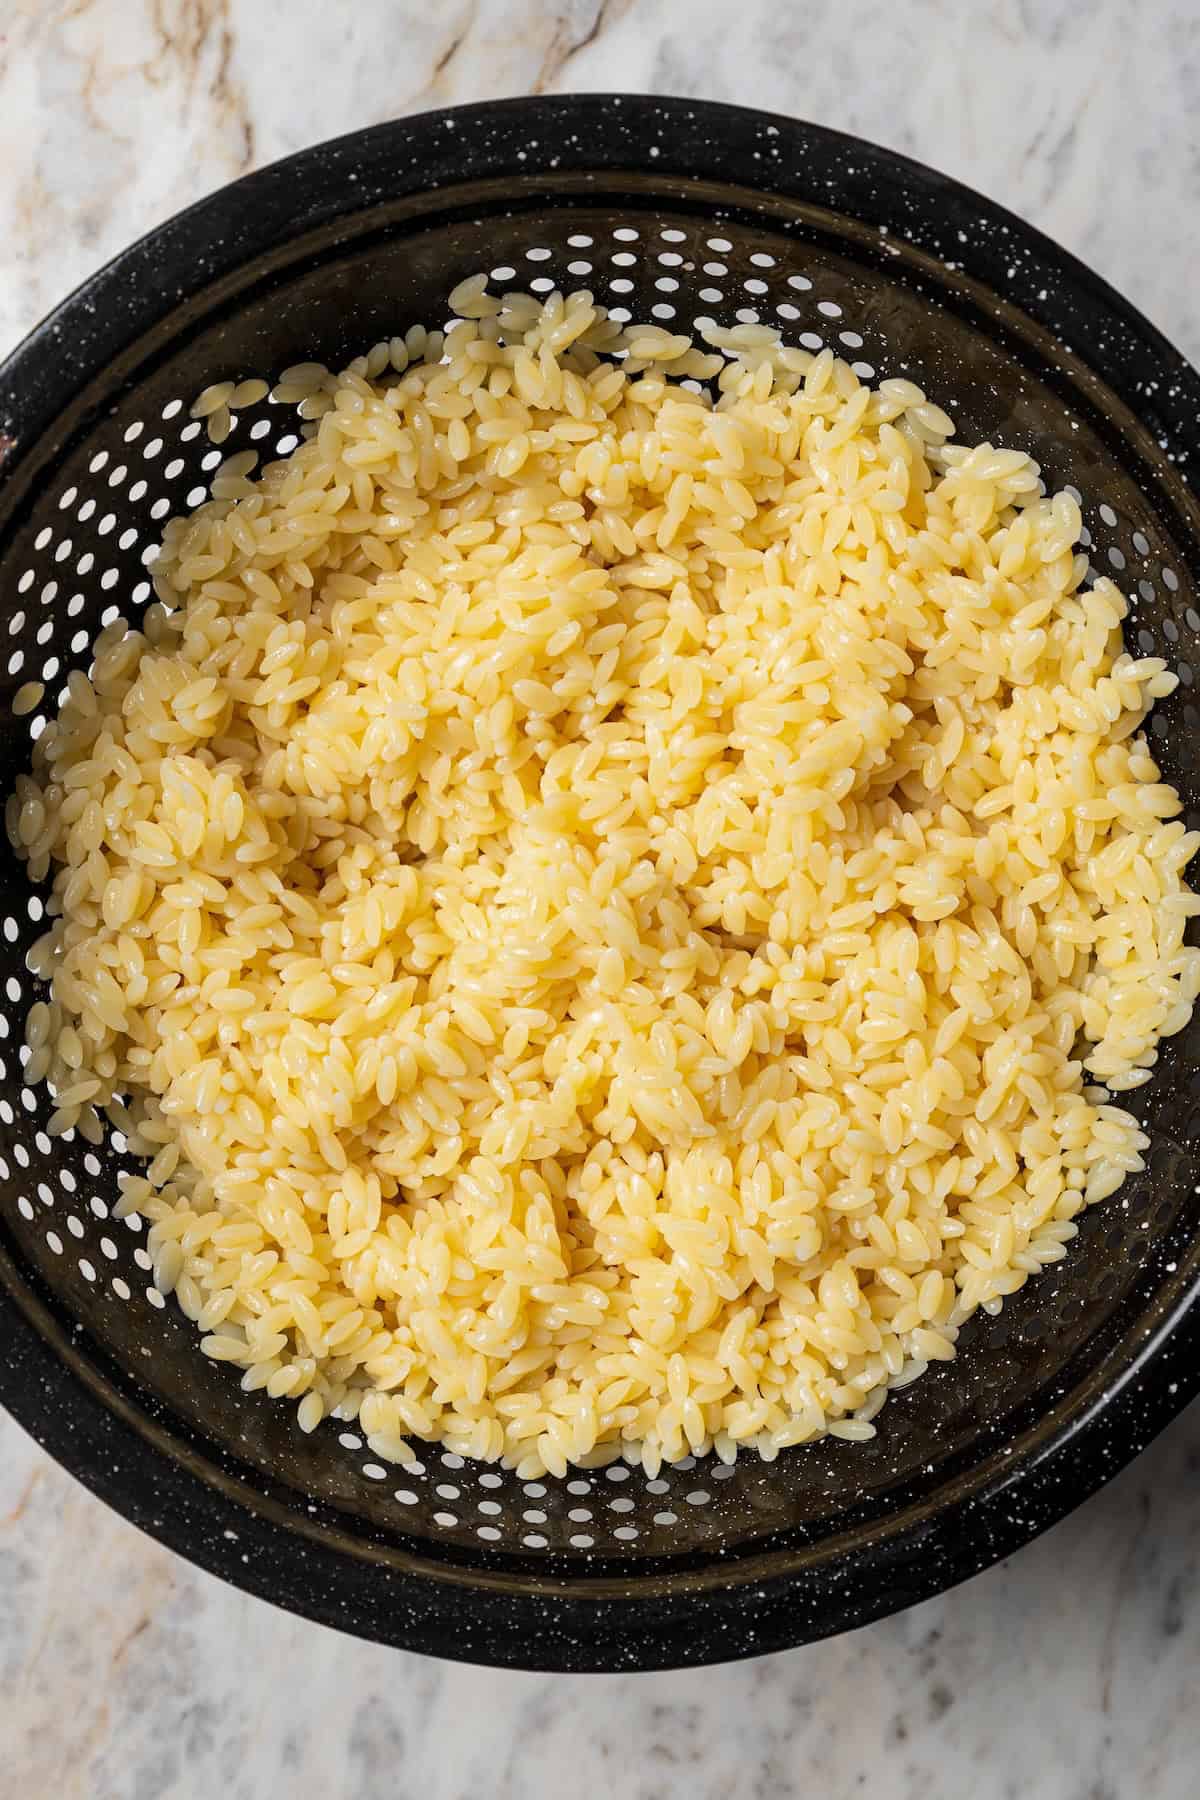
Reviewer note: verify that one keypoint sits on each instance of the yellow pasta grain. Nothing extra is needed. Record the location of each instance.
(585, 894)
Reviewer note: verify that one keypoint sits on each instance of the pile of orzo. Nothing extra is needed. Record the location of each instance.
(612, 908)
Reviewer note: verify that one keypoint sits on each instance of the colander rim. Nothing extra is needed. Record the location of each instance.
(86, 1415)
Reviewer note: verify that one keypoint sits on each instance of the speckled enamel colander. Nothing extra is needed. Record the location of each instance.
(671, 210)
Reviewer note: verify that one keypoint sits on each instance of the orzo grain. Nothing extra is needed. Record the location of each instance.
(587, 899)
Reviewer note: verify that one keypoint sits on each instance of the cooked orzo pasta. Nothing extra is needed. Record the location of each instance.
(611, 908)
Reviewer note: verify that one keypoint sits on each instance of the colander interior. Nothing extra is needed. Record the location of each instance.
(80, 531)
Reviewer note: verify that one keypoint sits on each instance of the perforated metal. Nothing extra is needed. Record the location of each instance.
(83, 547)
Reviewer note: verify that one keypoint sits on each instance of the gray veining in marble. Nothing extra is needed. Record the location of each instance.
(1069, 1673)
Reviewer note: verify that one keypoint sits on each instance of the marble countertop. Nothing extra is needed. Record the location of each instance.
(1067, 1674)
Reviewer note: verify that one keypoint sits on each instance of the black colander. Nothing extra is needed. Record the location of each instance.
(671, 210)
